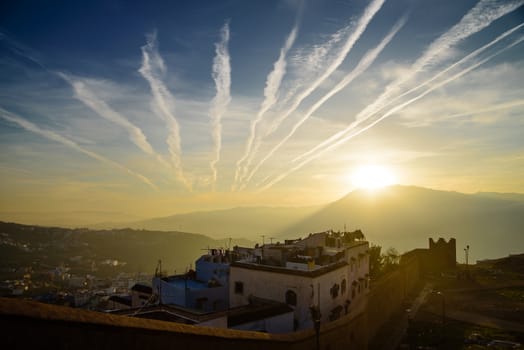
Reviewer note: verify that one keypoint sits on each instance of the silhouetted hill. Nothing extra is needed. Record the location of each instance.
(22, 245)
(404, 217)
(246, 222)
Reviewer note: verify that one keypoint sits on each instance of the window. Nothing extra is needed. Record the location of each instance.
(343, 287)
(239, 288)
(291, 298)
(334, 290)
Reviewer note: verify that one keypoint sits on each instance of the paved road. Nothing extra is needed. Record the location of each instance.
(401, 321)
(486, 321)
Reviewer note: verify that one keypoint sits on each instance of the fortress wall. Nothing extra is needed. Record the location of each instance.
(28, 324)
(388, 294)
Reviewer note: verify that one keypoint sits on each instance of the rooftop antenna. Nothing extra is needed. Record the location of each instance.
(271, 239)
(263, 239)
(345, 228)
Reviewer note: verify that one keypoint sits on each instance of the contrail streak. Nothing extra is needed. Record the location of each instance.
(361, 67)
(362, 115)
(385, 115)
(85, 95)
(478, 18)
(273, 81)
(152, 69)
(360, 27)
(222, 77)
(489, 109)
(51, 135)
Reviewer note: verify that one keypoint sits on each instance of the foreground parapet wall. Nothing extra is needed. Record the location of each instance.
(31, 325)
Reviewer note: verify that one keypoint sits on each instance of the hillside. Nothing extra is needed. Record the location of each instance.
(23, 245)
(404, 217)
(245, 222)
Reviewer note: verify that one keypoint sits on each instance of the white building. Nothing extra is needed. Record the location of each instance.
(329, 270)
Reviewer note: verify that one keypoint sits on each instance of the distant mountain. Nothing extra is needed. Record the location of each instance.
(402, 217)
(22, 245)
(405, 217)
(246, 222)
(69, 219)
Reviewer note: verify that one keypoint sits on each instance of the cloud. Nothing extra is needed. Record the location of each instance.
(273, 81)
(337, 60)
(152, 70)
(360, 68)
(350, 132)
(51, 135)
(84, 94)
(369, 110)
(222, 77)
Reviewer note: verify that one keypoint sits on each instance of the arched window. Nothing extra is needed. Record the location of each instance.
(291, 298)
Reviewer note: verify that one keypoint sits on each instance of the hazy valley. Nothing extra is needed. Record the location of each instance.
(399, 216)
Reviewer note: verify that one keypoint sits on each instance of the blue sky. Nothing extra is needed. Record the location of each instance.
(157, 107)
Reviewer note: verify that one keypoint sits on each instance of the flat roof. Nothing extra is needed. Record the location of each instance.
(182, 283)
(289, 271)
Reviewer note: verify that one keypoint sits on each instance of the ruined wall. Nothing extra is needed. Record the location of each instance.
(442, 255)
(389, 292)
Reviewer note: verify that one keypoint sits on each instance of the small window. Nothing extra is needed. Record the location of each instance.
(239, 288)
(343, 287)
(291, 298)
(334, 290)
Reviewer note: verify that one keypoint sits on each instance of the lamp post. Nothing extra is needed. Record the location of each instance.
(443, 309)
(315, 315)
(466, 253)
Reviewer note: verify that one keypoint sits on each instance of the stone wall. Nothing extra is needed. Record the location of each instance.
(28, 324)
(388, 293)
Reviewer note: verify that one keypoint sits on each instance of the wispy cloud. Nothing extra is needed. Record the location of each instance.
(273, 81)
(152, 70)
(84, 94)
(222, 77)
(360, 68)
(390, 112)
(51, 135)
(353, 37)
(371, 109)
(478, 18)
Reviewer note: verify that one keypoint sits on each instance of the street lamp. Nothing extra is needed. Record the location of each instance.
(315, 315)
(443, 309)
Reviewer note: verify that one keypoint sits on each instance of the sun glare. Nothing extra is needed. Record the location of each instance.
(372, 177)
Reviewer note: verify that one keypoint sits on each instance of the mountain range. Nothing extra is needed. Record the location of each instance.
(403, 217)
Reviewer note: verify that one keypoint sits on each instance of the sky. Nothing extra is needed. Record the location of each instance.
(162, 107)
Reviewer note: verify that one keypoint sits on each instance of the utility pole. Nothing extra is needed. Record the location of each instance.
(466, 251)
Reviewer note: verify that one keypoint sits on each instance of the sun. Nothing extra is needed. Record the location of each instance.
(372, 177)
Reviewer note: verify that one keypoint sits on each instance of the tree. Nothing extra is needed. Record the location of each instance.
(390, 259)
(375, 260)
